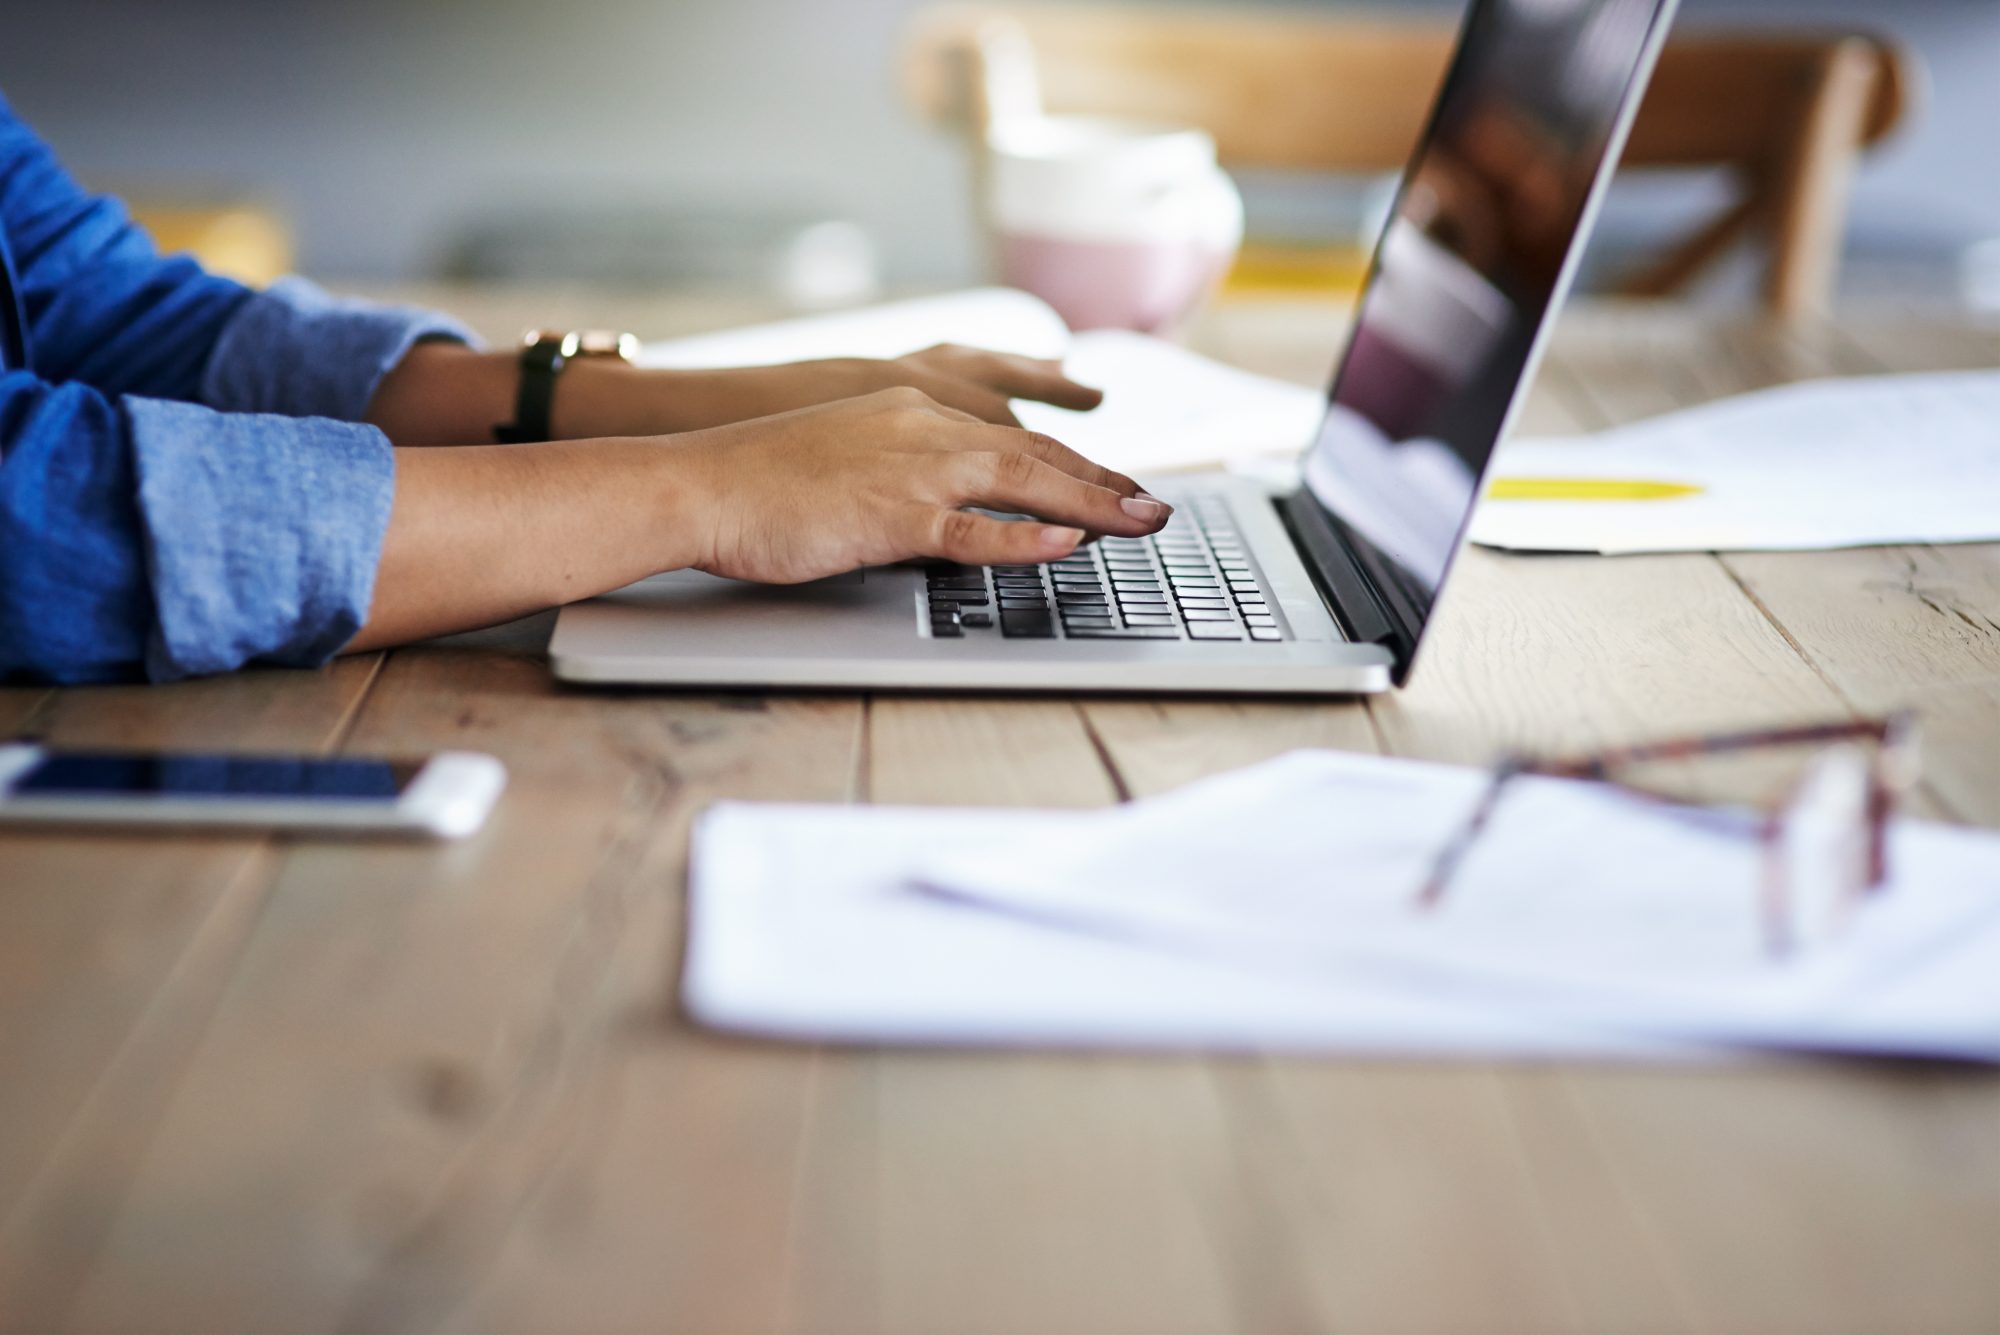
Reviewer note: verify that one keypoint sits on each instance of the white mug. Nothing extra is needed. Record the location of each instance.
(1116, 224)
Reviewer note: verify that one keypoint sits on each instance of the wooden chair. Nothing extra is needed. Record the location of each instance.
(1787, 116)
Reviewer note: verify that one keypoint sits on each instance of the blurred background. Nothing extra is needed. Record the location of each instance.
(382, 142)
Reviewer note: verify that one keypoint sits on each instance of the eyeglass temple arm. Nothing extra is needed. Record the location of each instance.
(1893, 732)
(1453, 853)
(1887, 731)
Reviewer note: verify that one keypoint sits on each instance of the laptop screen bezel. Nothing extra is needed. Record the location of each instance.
(1410, 616)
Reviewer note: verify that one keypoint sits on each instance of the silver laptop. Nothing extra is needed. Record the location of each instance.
(1324, 589)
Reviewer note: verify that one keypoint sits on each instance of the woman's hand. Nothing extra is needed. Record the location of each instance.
(489, 532)
(887, 477)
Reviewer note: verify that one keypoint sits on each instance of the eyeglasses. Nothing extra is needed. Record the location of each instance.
(1824, 845)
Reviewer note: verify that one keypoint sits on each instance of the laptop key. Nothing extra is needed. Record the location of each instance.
(1071, 623)
(1128, 633)
(1027, 625)
(1213, 630)
(1266, 633)
(1207, 613)
(977, 620)
(1147, 619)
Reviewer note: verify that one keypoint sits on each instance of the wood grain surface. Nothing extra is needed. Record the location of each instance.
(262, 1085)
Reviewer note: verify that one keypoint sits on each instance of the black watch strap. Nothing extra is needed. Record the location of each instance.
(542, 359)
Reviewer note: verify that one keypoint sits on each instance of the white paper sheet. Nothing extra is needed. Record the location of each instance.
(803, 924)
(1271, 909)
(1577, 905)
(1831, 463)
(1165, 407)
(999, 318)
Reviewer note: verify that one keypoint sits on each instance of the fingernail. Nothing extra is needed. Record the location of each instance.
(1143, 507)
(1151, 497)
(1058, 539)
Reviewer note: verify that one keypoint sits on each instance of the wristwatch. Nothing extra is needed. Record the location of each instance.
(544, 353)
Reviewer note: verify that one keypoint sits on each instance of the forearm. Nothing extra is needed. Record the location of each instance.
(448, 394)
(482, 535)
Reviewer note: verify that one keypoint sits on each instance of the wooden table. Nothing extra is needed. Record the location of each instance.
(280, 1085)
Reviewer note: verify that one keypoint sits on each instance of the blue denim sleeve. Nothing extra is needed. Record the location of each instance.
(74, 602)
(293, 349)
(261, 534)
(100, 305)
(103, 307)
(157, 538)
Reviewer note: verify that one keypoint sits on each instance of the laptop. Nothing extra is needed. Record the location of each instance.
(1324, 589)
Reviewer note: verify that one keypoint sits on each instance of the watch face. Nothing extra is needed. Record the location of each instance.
(584, 342)
(606, 343)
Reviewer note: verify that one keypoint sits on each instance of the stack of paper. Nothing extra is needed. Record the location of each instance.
(1164, 407)
(1831, 463)
(1276, 907)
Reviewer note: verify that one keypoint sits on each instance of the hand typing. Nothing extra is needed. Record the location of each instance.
(886, 477)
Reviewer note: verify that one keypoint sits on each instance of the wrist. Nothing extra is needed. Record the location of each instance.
(674, 477)
(544, 358)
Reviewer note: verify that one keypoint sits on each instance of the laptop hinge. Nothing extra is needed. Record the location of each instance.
(1359, 593)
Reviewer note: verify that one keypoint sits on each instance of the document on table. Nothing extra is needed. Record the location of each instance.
(1164, 407)
(1829, 463)
(804, 923)
(1276, 907)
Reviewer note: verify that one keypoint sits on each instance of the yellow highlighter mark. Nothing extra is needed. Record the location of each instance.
(1586, 489)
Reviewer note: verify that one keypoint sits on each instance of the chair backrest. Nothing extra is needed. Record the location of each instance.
(1787, 115)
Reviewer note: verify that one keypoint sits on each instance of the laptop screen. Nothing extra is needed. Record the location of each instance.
(1469, 271)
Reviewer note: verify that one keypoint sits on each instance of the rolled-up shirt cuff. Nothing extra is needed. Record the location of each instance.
(294, 350)
(262, 534)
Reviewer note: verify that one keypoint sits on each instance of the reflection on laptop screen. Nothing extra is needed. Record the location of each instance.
(1468, 271)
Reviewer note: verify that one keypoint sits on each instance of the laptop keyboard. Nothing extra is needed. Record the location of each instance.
(1193, 580)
